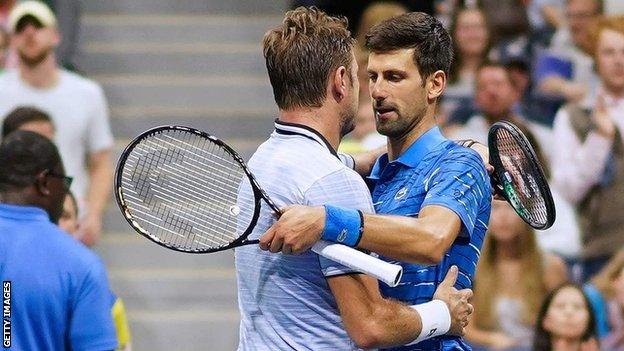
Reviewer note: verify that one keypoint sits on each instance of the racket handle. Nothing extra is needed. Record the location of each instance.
(386, 272)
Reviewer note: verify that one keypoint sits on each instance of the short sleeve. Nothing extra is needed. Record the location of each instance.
(342, 188)
(461, 184)
(100, 134)
(91, 325)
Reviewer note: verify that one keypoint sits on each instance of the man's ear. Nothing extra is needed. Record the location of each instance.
(340, 83)
(42, 183)
(436, 83)
(57, 37)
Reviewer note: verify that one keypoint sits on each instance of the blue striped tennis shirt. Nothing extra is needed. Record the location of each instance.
(435, 171)
(284, 300)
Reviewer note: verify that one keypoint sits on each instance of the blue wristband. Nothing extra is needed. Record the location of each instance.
(343, 225)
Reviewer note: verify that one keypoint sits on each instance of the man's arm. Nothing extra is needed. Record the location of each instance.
(454, 195)
(100, 185)
(372, 321)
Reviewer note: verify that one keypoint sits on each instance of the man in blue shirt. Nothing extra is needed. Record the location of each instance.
(56, 288)
(438, 191)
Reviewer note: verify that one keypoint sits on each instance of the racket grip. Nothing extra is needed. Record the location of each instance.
(386, 272)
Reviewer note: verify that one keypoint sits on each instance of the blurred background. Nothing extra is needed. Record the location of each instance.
(199, 63)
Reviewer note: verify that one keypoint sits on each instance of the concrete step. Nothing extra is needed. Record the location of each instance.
(185, 6)
(219, 92)
(176, 28)
(186, 288)
(184, 330)
(128, 249)
(197, 61)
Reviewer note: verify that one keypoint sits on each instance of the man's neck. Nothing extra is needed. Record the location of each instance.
(398, 145)
(14, 198)
(564, 344)
(319, 119)
(42, 76)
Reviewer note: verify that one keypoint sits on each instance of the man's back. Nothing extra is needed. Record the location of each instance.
(79, 111)
(285, 301)
(60, 297)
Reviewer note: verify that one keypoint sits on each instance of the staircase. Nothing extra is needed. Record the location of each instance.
(190, 62)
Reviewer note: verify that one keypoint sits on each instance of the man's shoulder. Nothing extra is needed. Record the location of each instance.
(81, 83)
(72, 251)
(8, 77)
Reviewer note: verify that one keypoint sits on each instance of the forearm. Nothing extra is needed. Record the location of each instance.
(421, 240)
(481, 336)
(100, 185)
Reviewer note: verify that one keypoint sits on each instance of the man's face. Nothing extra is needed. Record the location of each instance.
(34, 42)
(495, 95)
(610, 59)
(580, 13)
(397, 90)
(69, 219)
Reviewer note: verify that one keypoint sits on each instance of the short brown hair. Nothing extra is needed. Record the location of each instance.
(614, 23)
(415, 30)
(22, 115)
(302, 52)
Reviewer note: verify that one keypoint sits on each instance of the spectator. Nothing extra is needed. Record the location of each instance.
(565, 70)
(497, 100)
(69, 223)
(565, 322)
(60, 293)
(28, 118)
(471, 44)
(588, 159)
(512, 278)
(76, 105)
(610, 282)
(545, 16)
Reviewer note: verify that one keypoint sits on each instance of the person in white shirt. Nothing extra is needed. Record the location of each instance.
(588, 157)
(76, 105)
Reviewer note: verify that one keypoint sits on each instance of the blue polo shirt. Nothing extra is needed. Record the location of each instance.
(59, 293)
(435, 171)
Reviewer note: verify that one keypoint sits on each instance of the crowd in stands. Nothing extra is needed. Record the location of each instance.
(555, 68)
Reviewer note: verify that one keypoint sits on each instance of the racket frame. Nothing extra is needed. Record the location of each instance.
(499, 172)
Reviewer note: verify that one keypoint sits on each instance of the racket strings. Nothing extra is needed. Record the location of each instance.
(529, 196)
(184, 190)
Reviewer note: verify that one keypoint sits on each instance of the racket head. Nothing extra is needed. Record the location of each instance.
(519, 177)
(186, 190)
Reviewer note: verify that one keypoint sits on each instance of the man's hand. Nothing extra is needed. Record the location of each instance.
(457, 301)
(296, 231)
(600, 117)
(89, 229)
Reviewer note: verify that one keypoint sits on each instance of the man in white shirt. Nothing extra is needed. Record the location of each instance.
(76, 105)
(306, 302)
(588, 159)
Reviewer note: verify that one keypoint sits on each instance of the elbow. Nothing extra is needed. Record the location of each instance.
(369, 335)
(430, 254)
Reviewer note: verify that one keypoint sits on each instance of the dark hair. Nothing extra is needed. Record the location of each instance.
(415, 30)
(301, 54)
(23, 156)
(542, 338)
(494, 64)
(599, 4)
(457, 57)
(21, 116)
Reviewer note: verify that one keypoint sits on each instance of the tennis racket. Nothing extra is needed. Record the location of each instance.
(518, 175)
(189, 191)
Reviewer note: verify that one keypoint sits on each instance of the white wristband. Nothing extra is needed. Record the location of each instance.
(435, 319)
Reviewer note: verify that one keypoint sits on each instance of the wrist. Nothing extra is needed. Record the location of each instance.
(342, 225)
(435, 318)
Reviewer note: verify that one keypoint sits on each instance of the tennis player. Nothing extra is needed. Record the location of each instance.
(435, 194)
(306, 302)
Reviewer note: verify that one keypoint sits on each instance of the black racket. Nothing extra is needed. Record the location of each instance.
(189, 191)
(518, 175)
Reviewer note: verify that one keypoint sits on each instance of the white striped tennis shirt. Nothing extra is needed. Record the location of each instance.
(285, 301)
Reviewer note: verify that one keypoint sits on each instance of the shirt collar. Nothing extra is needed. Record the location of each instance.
(286, 128)
(414, 154)
(23, 213)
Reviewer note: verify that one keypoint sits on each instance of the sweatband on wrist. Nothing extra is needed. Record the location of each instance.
(435, 319)
(342, 225)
